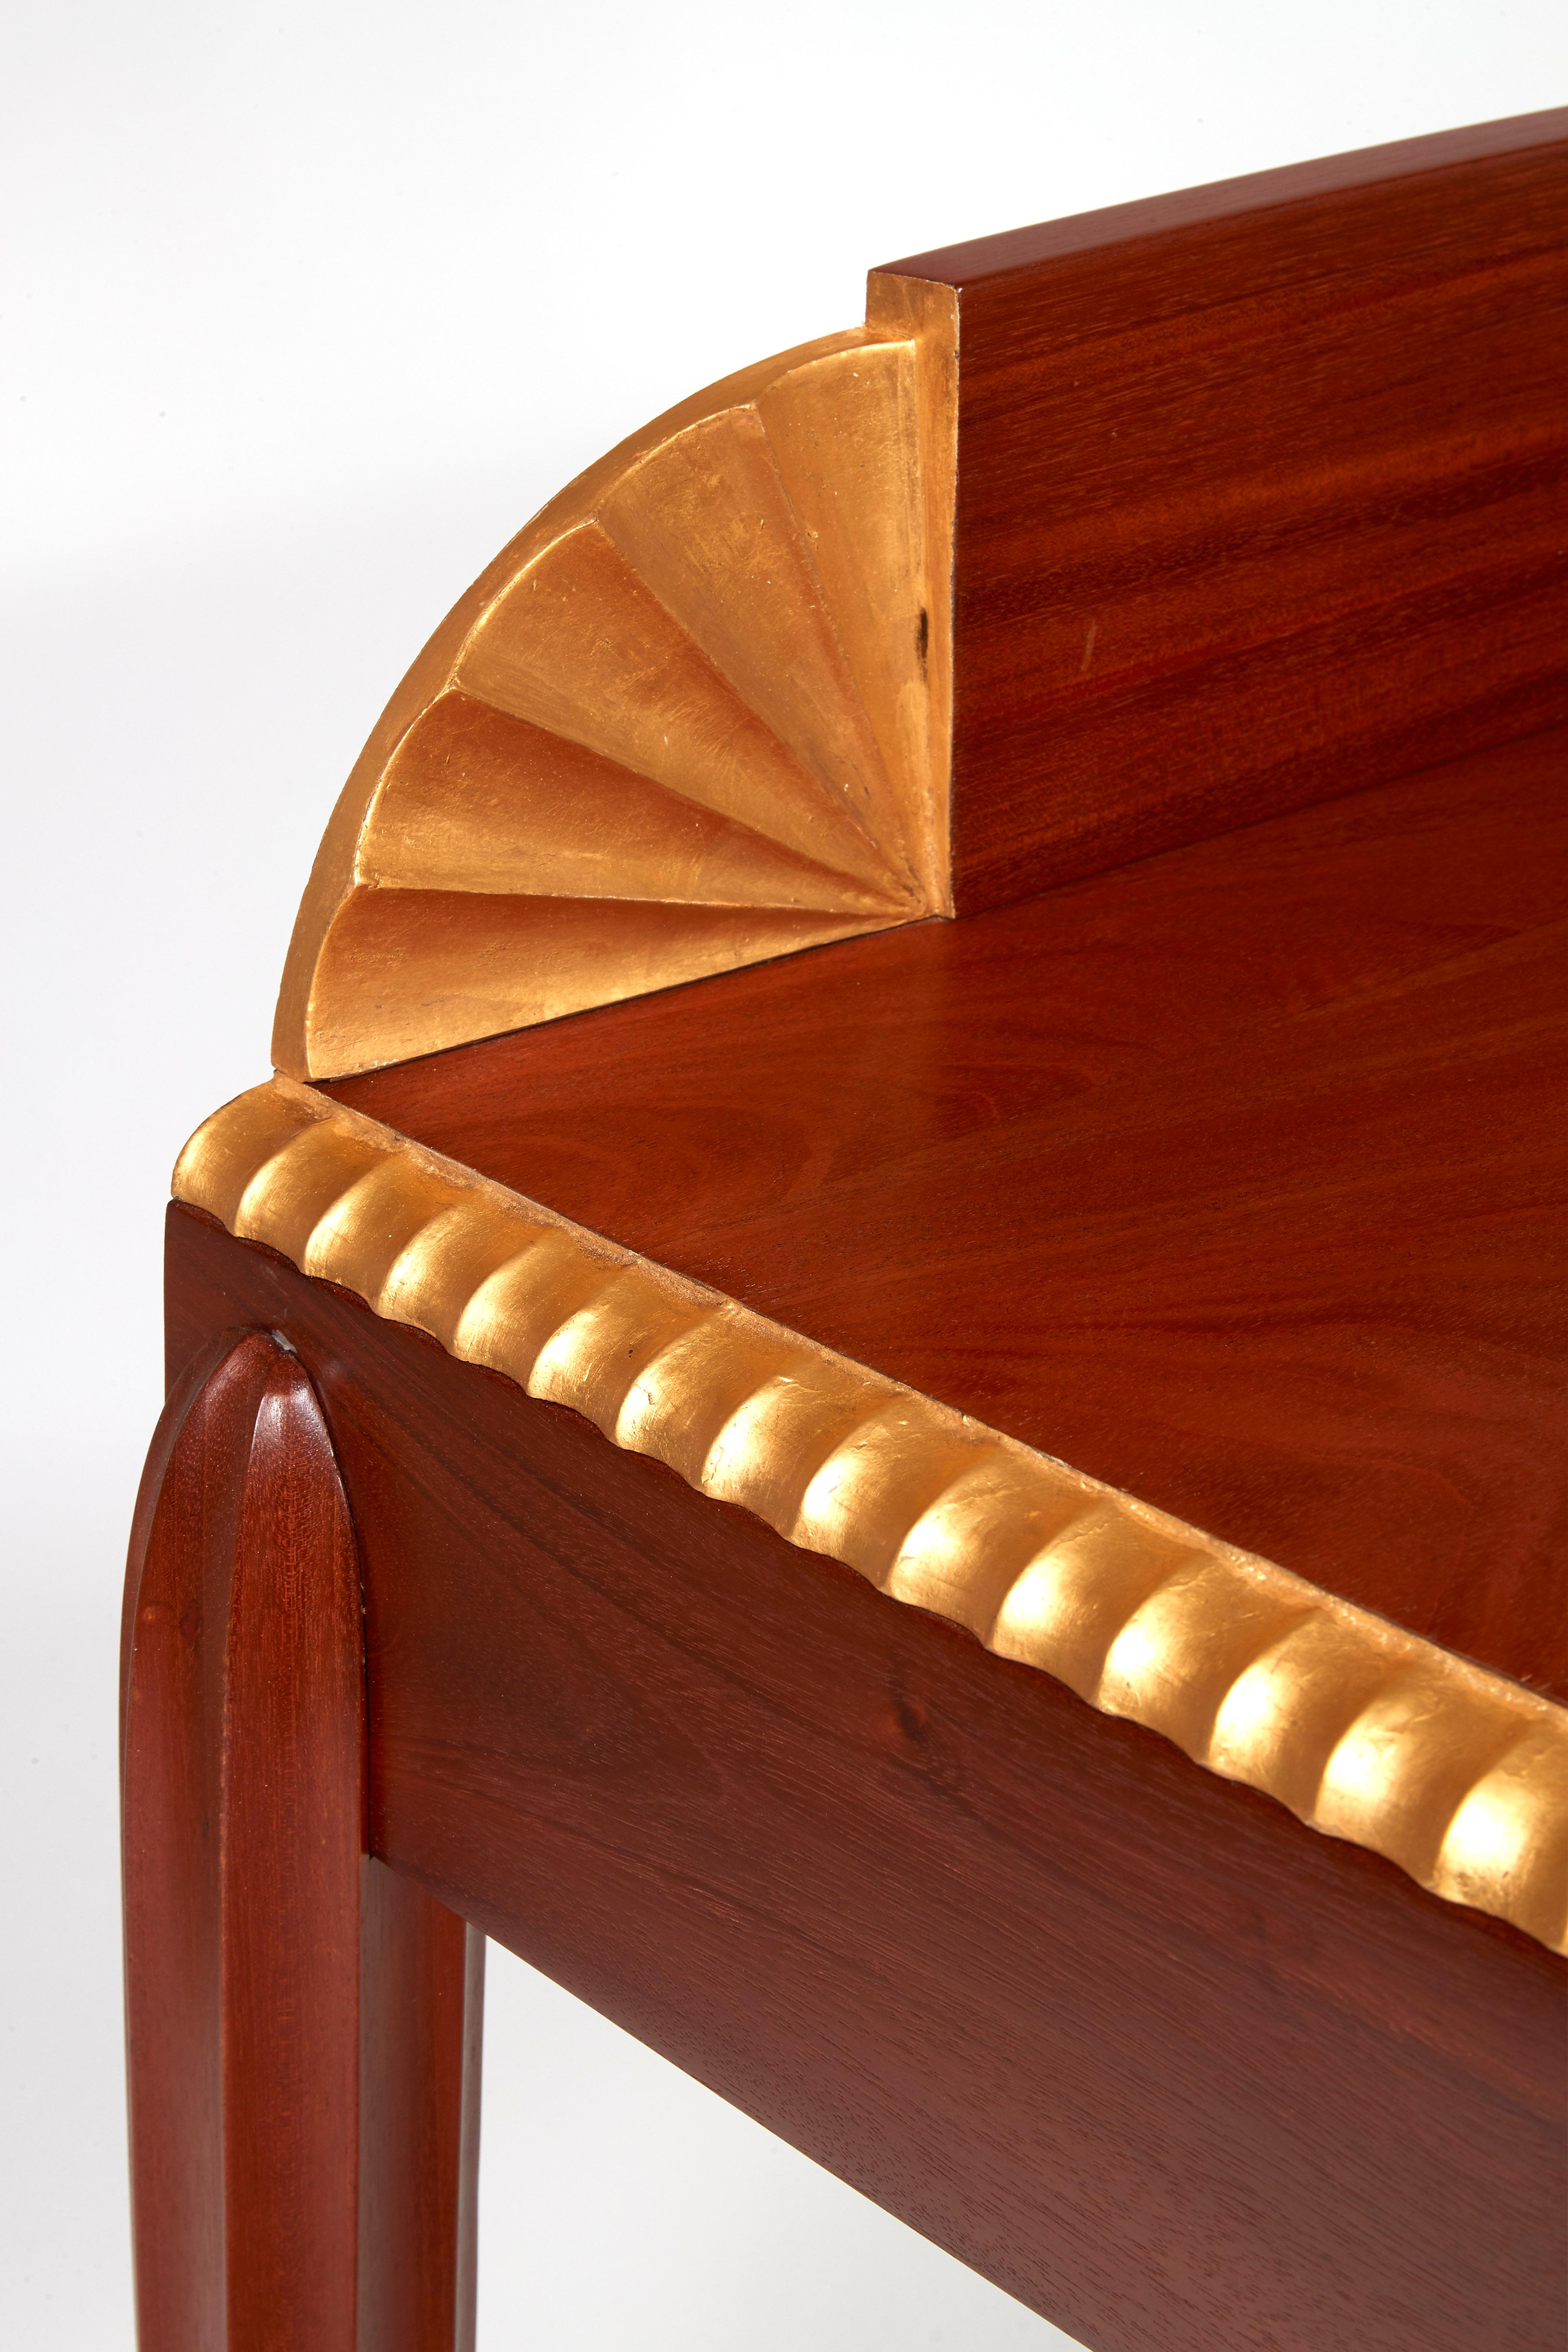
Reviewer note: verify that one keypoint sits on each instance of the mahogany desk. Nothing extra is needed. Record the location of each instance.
(947, 987)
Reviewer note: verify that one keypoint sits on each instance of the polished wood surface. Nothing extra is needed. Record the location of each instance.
(1232, 1178)
(1215, 1150)
(422, 1979)
(1262, 493)
(1172, 2068)
(262, 1978)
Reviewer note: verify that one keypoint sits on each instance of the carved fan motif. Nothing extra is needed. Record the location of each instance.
(694, 715)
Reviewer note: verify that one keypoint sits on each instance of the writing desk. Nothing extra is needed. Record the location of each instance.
(945, 988)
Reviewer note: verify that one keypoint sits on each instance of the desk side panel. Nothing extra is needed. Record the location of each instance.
(1165, 2065)
(1262, 495)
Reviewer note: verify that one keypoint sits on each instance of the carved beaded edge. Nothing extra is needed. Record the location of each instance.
(1366, 1732)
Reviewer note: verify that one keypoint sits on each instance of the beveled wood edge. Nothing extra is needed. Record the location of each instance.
(1366, 1732)
(1355, 171)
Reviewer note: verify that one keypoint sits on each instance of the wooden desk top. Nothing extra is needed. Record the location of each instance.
(1223, 1177)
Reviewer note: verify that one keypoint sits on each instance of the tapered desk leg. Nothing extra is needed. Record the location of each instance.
(302, 2025)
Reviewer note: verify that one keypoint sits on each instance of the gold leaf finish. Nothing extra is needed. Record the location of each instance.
(1368, 1733)
(696, 715)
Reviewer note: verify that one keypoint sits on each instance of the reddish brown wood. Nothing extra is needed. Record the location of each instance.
(1262, 496)
(173, 1937)
(422, 1980)
(289, 1838)
(1235, 1177)
(1127, 2037)
(243, 1806)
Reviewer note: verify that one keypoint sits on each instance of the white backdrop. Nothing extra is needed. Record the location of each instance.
(305, 309)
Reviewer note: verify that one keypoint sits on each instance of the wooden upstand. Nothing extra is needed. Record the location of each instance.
(948, 986)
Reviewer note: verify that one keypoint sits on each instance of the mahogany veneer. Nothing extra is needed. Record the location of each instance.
(1261, 494)
(1225, 1177)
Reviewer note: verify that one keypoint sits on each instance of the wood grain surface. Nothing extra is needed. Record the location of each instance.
(1262, 496)
(1236, 1179)
(422, 1979)
(258, 2172)
(1172, 2069)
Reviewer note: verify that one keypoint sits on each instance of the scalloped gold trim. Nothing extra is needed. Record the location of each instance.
(1458, 1775)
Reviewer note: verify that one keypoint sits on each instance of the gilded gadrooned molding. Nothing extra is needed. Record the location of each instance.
(697, 714)
(1458, 1775)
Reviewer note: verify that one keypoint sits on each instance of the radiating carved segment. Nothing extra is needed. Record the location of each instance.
(707, 523)
(1367, 1732)
(695, 715)
(882, 564)
(427, 968)
(264, 1958)
(475, 800)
